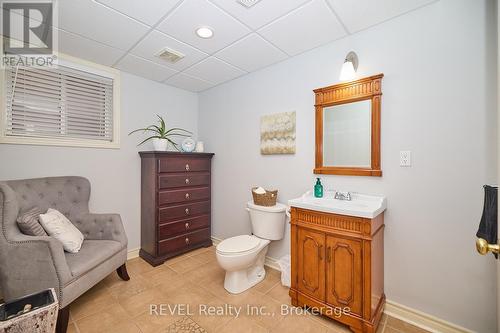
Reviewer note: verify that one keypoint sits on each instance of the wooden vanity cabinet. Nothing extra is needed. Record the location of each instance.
(338, 266)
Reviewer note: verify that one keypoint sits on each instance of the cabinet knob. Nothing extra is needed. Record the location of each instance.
(187, 240)
(187, 195)
(187, 180)
(187, 167)
(187, 211)
(187, 225)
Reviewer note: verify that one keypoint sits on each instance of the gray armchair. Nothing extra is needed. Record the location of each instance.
(29, 264)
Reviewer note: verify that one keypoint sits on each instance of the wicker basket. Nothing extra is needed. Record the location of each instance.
(265, 199)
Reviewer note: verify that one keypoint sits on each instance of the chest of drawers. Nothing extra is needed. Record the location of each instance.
(175, 204)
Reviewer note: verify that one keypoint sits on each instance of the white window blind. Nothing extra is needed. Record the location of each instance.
(62, 102)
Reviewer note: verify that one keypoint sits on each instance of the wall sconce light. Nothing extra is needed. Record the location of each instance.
(348, 71)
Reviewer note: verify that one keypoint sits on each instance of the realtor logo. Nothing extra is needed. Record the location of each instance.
(27, 33)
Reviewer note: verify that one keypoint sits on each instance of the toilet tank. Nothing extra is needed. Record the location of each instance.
(267, 222)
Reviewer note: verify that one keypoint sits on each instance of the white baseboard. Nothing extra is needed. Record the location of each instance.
(134, 253)
(399, 311)
(422, 319)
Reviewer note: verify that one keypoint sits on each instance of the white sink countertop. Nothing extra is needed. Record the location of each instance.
(361, 205)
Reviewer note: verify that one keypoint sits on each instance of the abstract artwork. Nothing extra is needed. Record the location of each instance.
(277, 133)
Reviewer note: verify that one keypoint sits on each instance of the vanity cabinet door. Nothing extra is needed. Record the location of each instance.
(311, 263)
(344, 273)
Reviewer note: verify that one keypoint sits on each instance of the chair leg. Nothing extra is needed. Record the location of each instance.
(62, 320)
(122, 272)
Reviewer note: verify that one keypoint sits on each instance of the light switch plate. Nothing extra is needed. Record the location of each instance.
(405, 158)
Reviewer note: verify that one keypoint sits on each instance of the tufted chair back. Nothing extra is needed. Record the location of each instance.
(69, 195)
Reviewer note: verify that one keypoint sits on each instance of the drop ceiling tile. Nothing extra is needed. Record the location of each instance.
(192, 14)
(188, 82)
(87, 49)
(309, 26)
(145, 68)
(214, 70)
(94, 21)
(149, 13)
(361, 14)
(156, 41)
(251, 53)
(261, 13)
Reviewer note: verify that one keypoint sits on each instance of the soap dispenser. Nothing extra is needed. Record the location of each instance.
(318, 189)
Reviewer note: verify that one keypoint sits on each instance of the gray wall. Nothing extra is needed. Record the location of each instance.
(115, 175)
(439, 102)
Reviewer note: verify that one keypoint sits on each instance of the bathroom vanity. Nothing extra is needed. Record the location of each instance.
(337, 252)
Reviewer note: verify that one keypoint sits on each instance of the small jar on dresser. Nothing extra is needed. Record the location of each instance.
(175, 204)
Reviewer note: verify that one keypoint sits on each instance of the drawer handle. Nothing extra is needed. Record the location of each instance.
(187, 240)
(187, 225)
(187, 211)
(187, 195)
(187, 180)
(187, 167)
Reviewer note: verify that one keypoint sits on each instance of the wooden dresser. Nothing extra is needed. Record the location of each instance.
(175, 204)
(338, 266)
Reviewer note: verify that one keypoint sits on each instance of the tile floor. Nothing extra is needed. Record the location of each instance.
(194, 279)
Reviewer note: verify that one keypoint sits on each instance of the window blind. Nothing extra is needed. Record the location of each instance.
(60, 102)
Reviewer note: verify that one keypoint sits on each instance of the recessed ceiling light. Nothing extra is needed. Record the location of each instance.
(204, 32)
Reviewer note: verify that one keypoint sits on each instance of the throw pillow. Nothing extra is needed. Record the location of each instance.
(29, 224)
(59, 227)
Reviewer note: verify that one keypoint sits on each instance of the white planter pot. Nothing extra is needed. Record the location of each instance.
(160, 144)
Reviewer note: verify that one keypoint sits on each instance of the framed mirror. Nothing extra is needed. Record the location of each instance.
(348, 128)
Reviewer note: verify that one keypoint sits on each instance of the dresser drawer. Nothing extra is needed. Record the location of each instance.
(177, 212)
(168, 230)
(183, 180)
(183, 242)
(184, 195)
(183, 164)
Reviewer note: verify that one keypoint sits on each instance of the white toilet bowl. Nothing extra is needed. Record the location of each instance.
(242, 257)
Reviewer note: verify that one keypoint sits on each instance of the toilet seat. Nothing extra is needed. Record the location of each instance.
(238, 245)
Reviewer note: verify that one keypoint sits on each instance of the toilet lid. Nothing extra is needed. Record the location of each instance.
(238, 244)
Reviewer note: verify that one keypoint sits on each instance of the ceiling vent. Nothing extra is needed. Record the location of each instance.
(247, 3)
(169, 55)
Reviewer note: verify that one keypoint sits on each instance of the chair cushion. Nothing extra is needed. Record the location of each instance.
(91, 254)
(29, 224)
(59, 227)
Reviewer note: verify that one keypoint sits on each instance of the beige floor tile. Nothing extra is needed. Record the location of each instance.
(178, 258)
(303, 324)
(205, 273)
(212, 315)
(262, 309)
(93, 301)
(205, 256)
(141, 302)
(183, 266)
(272, 278)
(132, 287)
(102, 321)
(138, 265)
(389, 329)
(402, 326)
(161, 275)
(72, 328)
(152, 323)
(279, 293)
(198, 251)
(189, 293)
(126, 327)
(242, 325)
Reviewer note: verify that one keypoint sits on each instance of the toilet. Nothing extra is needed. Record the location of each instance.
(242, 257)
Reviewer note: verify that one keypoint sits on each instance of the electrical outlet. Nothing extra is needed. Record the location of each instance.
(405, 158)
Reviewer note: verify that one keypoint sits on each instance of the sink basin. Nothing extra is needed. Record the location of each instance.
(361, 205)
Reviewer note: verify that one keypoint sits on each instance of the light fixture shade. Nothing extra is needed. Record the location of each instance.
(347, 72)
(204, 32)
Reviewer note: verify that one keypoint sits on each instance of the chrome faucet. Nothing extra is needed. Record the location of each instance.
(343, 196)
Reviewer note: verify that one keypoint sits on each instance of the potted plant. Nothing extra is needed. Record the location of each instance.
(161, 136)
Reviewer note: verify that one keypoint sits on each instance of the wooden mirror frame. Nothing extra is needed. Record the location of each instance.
(369, 88)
